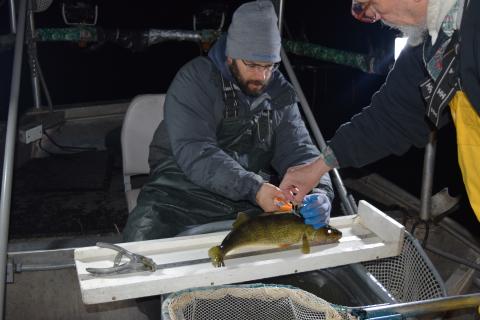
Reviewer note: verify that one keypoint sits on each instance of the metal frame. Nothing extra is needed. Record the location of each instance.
(8, 160)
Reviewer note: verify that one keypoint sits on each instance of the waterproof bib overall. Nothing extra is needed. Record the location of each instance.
(467, 124)
(169, 203)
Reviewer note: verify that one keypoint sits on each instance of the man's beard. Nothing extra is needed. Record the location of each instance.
(243, 84)
(416, 34)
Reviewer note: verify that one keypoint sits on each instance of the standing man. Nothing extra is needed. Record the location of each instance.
(436, 79)
(231, 126)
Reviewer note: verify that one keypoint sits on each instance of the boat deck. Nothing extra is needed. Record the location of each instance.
(68, 195)
(75, 200)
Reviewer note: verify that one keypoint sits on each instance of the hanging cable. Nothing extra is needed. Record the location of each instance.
(62, 147)
(40, 146)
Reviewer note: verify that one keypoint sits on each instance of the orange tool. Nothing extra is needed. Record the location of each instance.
(283, 205)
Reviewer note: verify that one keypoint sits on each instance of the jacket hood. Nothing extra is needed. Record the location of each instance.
(219, 58)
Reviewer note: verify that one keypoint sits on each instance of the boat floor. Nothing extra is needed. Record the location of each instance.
(68, 195)
(75, 200)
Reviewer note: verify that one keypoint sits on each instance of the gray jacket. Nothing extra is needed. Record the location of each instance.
(194, 112)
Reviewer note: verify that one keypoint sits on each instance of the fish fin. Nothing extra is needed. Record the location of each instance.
(242, 217)
(305, 244)
(216, 255)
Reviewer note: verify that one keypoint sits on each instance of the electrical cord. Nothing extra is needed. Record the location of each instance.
(40, 146)
(62, 147)
(69, 149)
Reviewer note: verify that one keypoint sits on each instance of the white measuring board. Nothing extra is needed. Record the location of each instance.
(369, 235)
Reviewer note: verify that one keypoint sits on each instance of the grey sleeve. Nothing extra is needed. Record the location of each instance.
(294, 146)
(193, 109)
(393, 122)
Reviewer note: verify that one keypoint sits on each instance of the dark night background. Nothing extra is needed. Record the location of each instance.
(107, 72)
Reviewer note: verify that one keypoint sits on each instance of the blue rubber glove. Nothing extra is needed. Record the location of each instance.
(316, 210)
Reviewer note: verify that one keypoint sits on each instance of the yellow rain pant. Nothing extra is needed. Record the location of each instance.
(467, 123)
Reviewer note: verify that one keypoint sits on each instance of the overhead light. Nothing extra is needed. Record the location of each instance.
(400, 43)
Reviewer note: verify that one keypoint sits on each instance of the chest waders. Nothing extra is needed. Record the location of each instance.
(446, 90)
(169, 203)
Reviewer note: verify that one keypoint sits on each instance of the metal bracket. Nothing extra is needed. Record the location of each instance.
(10, 271)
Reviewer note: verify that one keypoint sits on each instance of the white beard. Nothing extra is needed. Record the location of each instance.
(416, 34)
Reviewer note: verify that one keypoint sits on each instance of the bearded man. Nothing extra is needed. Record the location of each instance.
(435, 80)
(231, 126)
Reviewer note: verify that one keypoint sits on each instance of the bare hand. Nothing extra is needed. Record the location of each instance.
(300, 180)
(266, 197)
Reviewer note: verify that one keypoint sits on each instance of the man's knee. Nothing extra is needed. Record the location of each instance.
(144, 223)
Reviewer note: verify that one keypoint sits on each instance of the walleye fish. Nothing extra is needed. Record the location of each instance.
(282, 230)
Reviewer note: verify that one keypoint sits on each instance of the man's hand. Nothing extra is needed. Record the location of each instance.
(266, 197)
(300, 180)
(316, 210)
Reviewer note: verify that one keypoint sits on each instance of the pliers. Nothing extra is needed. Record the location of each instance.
(296, 209)
(136, 262)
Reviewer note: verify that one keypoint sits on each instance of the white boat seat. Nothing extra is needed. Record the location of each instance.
(141, 120)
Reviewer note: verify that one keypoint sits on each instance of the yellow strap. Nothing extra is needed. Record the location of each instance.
(467, 123)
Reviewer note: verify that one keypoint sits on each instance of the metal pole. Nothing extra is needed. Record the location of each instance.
(10, 149)
(350, 205)
(426, 306)
(427, 179)
(32, 55)
(348, 201)
(280, 16)
(13, 18)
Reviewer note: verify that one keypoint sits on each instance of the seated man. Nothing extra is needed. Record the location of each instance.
(231, 125)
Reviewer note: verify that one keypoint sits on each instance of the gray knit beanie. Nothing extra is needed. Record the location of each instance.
(253, 34)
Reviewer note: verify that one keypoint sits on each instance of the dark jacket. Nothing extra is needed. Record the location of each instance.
(194, 112)
(395, 119)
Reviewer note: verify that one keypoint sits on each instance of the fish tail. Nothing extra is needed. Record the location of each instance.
(216, 255)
